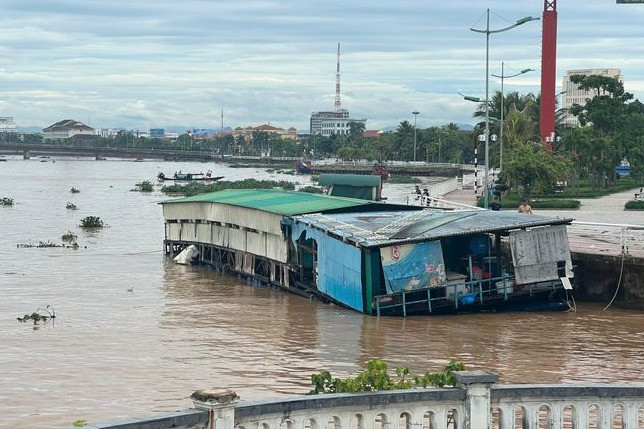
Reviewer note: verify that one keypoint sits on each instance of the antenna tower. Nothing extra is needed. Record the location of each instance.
(338, 105)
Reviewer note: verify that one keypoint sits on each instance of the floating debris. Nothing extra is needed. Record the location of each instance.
(74, 190)
(38, 317)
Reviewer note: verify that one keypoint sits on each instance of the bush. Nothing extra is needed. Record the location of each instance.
(69, 237)
(196, 188)
(512, 201)
(5, 201)
(92, 222)
(634, 205)
(376, 377)
(71, 206)
(145, 186)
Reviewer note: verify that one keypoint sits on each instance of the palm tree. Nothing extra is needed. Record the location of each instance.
(405, 140)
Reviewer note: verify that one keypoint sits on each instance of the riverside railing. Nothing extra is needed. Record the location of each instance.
(475, 403)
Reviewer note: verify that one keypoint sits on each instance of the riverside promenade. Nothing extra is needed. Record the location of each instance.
(596, 229)
(476, 402)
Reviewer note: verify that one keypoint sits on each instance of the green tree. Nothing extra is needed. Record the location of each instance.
(607, 108)
(529, 168)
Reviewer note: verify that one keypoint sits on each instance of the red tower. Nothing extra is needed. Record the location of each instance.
(548, 72)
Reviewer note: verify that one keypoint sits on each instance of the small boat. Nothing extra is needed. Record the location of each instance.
(303, 166)
(188, 177)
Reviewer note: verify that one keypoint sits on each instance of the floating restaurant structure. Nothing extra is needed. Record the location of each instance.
(377, 258)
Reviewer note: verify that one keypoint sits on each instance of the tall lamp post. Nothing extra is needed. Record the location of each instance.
(487, 33)
(505, 76)
(415, 113)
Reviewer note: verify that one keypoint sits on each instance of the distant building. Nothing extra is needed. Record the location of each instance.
(67, 128)
(575, 95)
(107, 133)
(7, 125)
(202, 133)
(372, 134)
(247, 133)
(328, 123)
(157, 133)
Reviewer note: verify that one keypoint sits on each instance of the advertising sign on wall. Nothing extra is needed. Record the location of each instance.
(412, 266)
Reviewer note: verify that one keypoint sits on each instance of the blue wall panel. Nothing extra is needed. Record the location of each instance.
(339, 266)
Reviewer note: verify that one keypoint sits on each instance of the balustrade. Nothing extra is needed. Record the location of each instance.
(475, 403)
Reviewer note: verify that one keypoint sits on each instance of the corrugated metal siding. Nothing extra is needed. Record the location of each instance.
(174, 231)
(276, 248)
(339, 267)
(237, 239)
(535, 253)
(214, 212)
(204, 233)
(189, 232)
(256, 243)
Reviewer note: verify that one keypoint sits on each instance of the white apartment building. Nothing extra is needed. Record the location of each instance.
(7, 125)
(574, 95)
(328, 123)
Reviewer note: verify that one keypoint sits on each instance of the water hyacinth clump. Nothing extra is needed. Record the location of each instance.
(92, 222)
(144, 186)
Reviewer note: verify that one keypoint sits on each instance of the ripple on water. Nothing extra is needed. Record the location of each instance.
(114, 353)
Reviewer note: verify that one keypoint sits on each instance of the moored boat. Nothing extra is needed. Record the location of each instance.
(187, 177)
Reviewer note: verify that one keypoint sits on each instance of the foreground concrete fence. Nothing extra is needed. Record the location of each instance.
(475, 403)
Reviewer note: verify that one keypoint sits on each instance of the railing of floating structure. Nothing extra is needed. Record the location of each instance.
(475, 403)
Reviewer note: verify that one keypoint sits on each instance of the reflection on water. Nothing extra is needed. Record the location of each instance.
(115, 353)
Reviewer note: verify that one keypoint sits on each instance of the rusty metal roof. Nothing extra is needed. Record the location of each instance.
(379, 229)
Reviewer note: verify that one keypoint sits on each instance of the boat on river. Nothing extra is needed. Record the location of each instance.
(376, 258)
(188, 177)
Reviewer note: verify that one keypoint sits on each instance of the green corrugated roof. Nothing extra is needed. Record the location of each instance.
(287, 203)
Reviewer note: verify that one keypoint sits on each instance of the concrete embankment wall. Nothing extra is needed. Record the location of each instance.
(597, 277)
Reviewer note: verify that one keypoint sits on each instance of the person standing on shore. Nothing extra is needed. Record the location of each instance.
(495, 205)
(524, 207)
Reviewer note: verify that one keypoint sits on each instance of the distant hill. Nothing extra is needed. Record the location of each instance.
(465, 127)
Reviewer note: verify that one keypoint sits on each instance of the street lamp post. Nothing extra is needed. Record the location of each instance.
(415, 113)
(504, 76)
(487, 33)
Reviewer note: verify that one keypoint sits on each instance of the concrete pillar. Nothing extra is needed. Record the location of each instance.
(220, 404)
(477, 397)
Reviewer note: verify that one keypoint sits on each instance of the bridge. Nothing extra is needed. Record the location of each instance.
(355, 167)
(476, 402)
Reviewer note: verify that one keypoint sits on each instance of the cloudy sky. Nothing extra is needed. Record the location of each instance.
(139, 64)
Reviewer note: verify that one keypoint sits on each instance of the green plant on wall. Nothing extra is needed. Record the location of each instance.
(376, 377)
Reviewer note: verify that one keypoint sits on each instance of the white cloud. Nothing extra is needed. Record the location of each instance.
(138, 63)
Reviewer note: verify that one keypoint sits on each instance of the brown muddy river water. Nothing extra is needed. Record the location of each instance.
(136, 334)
